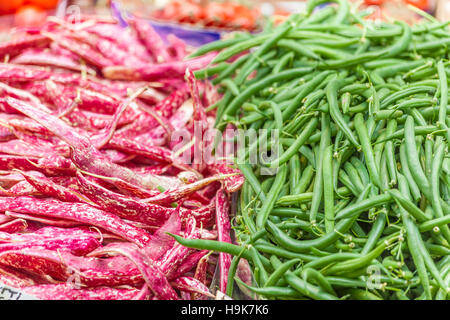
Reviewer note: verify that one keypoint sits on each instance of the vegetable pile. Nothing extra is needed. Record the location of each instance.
(90, 180)
(227, 15)
(359, 206)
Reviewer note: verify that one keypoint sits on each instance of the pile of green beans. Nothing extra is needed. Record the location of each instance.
(359, 207)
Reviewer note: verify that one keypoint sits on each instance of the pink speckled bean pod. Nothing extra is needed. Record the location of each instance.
(151, 72)
(13, 226)
(16, 46)
(20, 73)
(77, 245)
(232, 183)
(223, 228)
(47, 187)
(192, 285)
(47, 58)
(175, 194)
(151, 39)
(151, 273)
(79, 212)
(66, 291)
(123, 206)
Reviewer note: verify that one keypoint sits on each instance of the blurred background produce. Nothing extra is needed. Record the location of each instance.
(219, 15)
(26, 13)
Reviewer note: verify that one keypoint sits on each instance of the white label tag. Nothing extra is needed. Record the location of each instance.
(9, 293)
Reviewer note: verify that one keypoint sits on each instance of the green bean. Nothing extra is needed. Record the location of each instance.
(238, 47)
(251, 178)
(331, 92)
(299, 49)
(271, 291)
(318, 182)
(293, 199)
(346, 100)
(413, 158)
(301, 139)
(389, 71)
(231, 273)
(305, 179)
(245, 201)
(361, 170)
(413, 242)
(356, 209)
(367, 149)
(431, 45)
(408, 206)
(305, 288)
(231, 86)
(356, 263)
(244, 95)
(354, 175)
(308, 88)
(319, 16)
(360, 294)
(391, 51)
(217, 45)
(408, 175)
(444, 98)
(283, 62)
(435, 172)
(345, 180)
(232, 67)
(272, 196)
(326, 52)
(276, 113)
(256, 258)
(430, 224)
(280, 252)
(306, 245)
(332, 258)
(381, 63)
(208, 72)
(375, 233)
(429, 263)
(332, 43)
(390, 154)
(280, 271)
(294, 173)
(253, 62)
(328, 191)
(317, 277)
(213, 245)
(405, 93)
(341, 15)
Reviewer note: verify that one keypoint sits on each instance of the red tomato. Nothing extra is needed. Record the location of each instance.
(170, 11)
(29, 16)
(9, 6)
(245, 20)
(421, 4)
(190, 12)
(44, 4)
(216, 14)
(374, 2)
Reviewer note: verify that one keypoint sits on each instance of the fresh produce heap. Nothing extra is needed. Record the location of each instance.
(229, 15)
(90, 182)
(360, 204)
